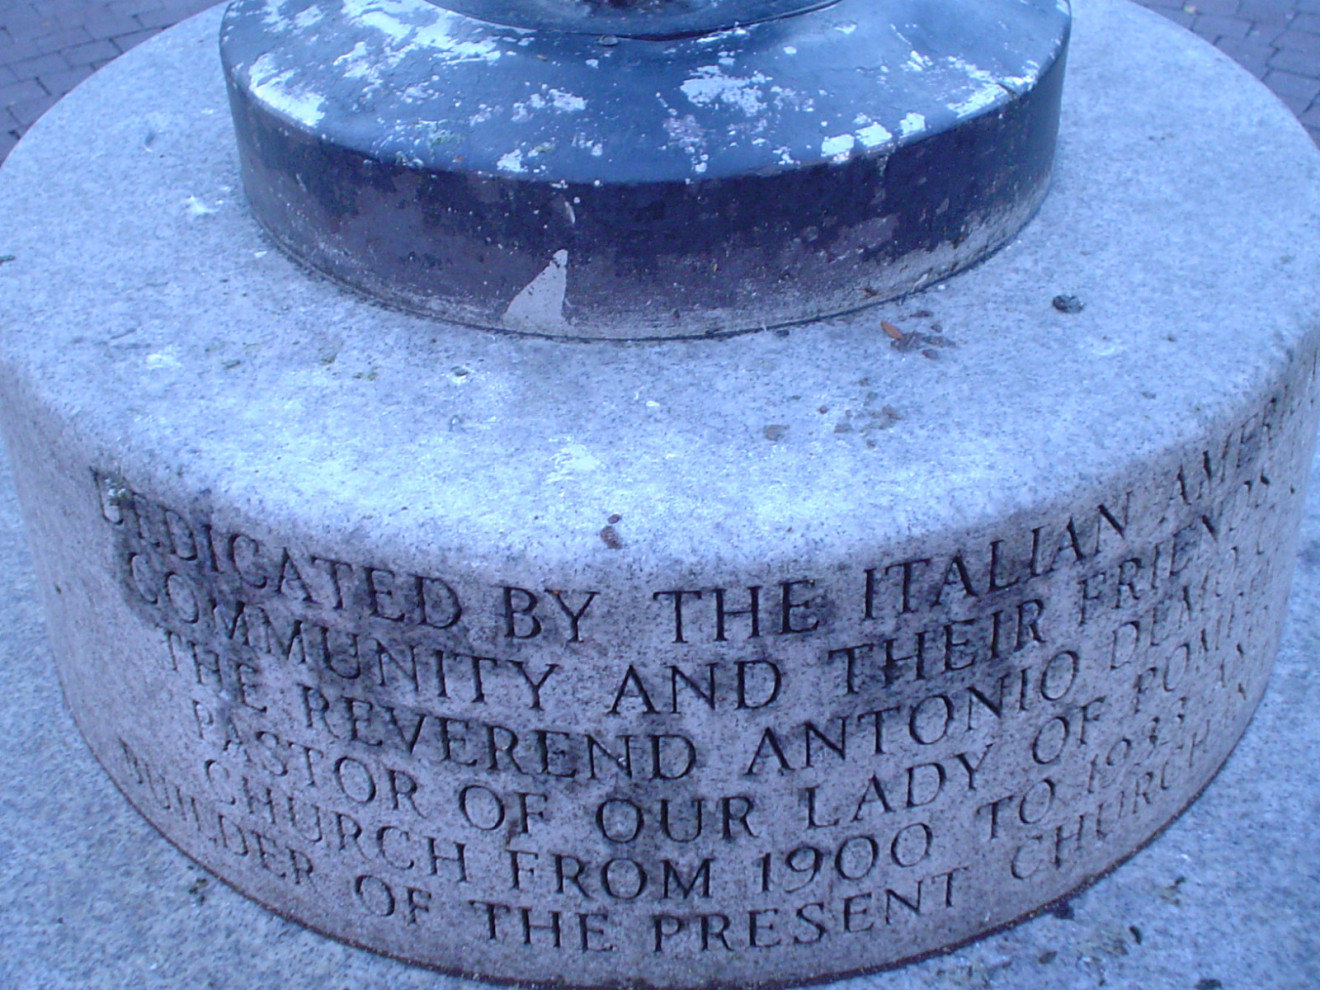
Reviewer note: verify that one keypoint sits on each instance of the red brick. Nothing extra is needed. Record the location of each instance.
(166, 17)
(1224, 8)
(21, 91)
(133, 7)
(91, 52)
(1301, 41)
(60, 83)
(54, 41)
(1216, 26)
(26, 112)
(1254, 56)
(1299, 63)
(24, 19)
(1311, 117)
(1267, 11)
(1291, 84)
(102, 23)
(1297, 104)
(31, 68)
(1178, 16)
(126, 41)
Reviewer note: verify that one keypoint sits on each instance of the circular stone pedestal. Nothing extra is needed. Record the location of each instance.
(748, 661)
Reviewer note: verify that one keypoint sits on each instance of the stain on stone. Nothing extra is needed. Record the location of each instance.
(1067, 304)
(1209, 984)
(610, 537)
(923, 342)
(1173, 892)
(775, 432)
(1309, 555)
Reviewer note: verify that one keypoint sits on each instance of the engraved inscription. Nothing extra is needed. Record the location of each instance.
(879, 750)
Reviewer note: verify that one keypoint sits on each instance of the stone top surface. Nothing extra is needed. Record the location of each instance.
(276, 389)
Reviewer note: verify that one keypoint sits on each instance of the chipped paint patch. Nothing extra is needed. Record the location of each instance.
(986, 92)
(163, 359)
(197, 208)
(553, 99)
(1020, 84)
(873, 135)
(275, 87)
(572, 458)
(917, 62)
(354, 63)
(686, 133)
(911, 123)
(406, 28)
(710, 86)
(539, 307)
(511, 161)
(838, 147)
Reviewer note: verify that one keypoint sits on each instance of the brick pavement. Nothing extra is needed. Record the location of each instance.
(49, 46)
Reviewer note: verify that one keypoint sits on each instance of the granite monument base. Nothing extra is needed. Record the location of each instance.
(761, 660)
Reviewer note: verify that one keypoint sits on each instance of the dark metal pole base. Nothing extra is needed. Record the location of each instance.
(598, 186)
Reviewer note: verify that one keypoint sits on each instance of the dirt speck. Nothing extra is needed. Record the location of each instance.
(1173, 892)
(610, 537)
